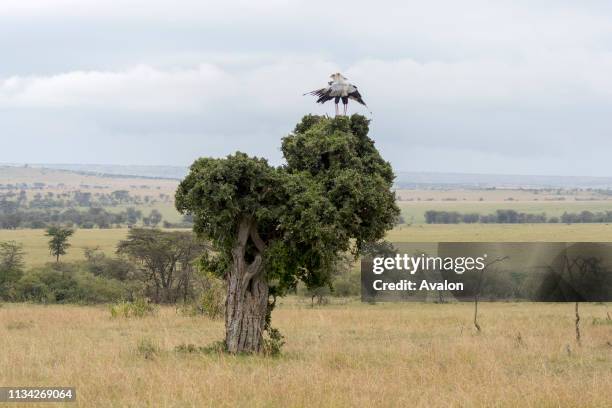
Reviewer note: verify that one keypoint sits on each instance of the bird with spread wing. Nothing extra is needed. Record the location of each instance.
(338, 88)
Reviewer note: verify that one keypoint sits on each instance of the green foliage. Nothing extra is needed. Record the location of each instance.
(274, 343)
(67, 283)
(348, 283)
(147, 348)
(58, 244)
(217, 347)
(104, 279)
(20, 325)
(11, 268)
(141, 307)
(99, 264)
(211, 301)
(166, 260)
(218, 192)
(333, 195)
(597, 321)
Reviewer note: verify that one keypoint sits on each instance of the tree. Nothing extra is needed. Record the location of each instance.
(166, 259)
(58, 244)
(155, 218)
(479, 289)
(133, 215)
(274, 226)
(11, 266)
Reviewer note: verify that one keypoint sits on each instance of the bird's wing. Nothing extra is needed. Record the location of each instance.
(324, 94)
(356, 96)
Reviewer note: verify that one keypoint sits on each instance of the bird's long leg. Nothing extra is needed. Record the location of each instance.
(345, 108)
(337, 110)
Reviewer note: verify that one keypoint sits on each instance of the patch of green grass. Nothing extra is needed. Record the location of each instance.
(147, 348)
(502, 233)
(35, 243)
(19, 325)
(414, 211)
(139, 308)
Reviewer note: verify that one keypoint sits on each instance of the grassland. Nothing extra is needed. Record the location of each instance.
(58, 181)
(35, 243)
(343, 354)
(414, 211)
(37, 253)
(419, 355)
(502, 233)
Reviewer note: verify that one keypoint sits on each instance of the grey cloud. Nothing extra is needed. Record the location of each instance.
(510, 87)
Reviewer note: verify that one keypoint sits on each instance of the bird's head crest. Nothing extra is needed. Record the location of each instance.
(337, 76)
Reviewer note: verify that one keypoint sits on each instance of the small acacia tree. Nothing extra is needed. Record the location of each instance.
(166, 260)
(274, 226)
(58, 244)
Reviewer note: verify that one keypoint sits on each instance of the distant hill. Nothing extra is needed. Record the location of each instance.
(62, 180)
(167, 172)
(418, 180)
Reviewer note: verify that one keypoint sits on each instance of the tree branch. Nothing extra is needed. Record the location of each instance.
(259, 243)
(252, 270)
(243, 231)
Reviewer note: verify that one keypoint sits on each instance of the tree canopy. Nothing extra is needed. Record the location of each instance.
(166, 259)
(58, 244)
(332, 196)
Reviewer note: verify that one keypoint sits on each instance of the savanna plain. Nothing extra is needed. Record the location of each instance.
(342, 353)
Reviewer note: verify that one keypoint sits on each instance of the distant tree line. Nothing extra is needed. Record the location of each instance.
(90, 218)
(515, 217)
(19, 200)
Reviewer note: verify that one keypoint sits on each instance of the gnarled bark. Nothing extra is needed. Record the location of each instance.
(247, 295)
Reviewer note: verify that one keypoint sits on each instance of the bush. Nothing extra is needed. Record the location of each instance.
(11, 268)
(211, 301)
(67, 283)
(348, 284)
(114, 268)
(274, 343)
(139, 308)
(147, 348)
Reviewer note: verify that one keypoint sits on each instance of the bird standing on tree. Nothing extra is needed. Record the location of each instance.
(338, 88)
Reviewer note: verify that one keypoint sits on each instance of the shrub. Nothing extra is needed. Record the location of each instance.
(274, 343)
(211, 301)
(113, 268)
(67, 283)
(147, 348)
(139, 308)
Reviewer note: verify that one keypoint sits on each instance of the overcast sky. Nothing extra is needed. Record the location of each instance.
(518, 87)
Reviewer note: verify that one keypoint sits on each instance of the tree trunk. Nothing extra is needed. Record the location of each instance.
(247, 296)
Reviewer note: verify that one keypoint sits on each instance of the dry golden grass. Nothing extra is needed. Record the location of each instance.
(337, 355)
